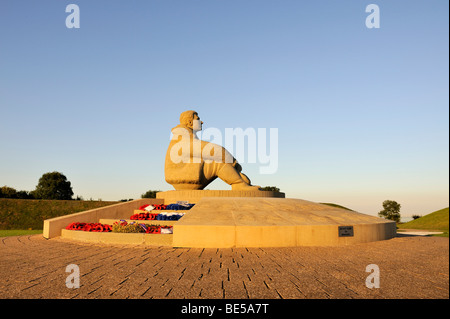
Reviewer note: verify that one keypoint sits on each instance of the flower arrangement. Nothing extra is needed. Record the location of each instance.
(92, 227)
(122, 227)
(144, 216)
(160, 216)
(134, 227)
(169, 216)
(185, 206)
(153, 207)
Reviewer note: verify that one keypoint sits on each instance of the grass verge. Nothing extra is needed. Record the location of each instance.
(435, 221)
(19, 232)
(31, 213)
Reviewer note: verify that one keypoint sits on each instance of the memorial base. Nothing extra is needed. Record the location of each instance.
(275, 222)
(193, 196)
(222, 219)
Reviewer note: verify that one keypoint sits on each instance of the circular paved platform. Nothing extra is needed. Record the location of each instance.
(224, 222)
(410, 267)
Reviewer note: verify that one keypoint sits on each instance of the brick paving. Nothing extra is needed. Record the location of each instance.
(410, 267)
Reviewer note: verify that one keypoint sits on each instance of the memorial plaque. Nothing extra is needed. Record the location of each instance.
(345, 231)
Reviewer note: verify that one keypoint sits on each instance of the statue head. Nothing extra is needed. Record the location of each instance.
(191, 120)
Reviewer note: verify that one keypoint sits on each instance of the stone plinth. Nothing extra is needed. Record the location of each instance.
(256, 219)
(193, 196)
(275, 222)
(118, 238)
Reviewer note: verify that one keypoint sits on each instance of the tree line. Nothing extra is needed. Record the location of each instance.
(53, 185)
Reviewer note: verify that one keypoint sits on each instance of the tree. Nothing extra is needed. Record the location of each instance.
(8, 192)
(391, 210)
(24, 195)
(270, 188)
(149, 194)
(53, 185)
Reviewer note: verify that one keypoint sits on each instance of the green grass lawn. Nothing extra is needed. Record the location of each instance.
(444, 234)
(31, 213)
(436, 221)
(19, 232)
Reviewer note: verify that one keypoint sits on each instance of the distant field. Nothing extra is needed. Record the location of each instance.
(31, 213)
(437, 220)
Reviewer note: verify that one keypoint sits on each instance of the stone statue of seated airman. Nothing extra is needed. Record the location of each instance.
(192, 164)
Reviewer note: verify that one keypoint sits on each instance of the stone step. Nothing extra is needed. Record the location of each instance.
(110, 221)
(137, 211)
(119, 238)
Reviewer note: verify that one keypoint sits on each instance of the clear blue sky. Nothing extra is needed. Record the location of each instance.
(362, 114)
